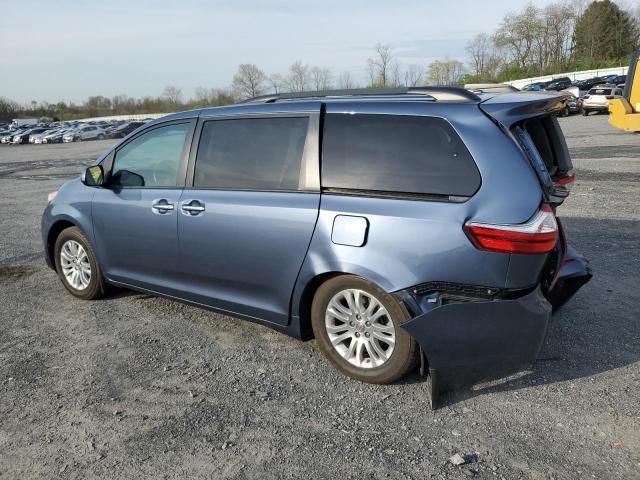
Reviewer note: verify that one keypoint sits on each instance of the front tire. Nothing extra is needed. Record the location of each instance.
(77, 266)
(357, 326)
(584, 112)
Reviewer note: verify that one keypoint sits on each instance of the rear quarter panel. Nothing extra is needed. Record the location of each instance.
(415, 241)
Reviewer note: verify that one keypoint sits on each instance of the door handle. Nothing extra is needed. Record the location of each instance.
(162, 206)
(193, 207)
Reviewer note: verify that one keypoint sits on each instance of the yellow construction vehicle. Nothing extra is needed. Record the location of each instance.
(624, 113)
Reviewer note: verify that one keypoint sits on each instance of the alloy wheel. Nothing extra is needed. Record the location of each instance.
(359, 328)
(75, 265)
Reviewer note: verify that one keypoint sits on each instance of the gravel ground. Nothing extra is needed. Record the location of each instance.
(136, 386)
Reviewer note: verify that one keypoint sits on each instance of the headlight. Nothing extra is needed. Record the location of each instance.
(51, 197)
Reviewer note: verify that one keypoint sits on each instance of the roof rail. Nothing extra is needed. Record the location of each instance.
(440, 94)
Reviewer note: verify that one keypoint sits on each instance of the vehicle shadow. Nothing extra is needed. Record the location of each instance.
(597, 330)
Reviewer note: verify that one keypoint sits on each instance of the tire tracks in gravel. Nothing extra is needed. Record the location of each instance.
(11, 168)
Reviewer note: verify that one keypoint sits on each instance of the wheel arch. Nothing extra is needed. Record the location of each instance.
(52, 235)
(306, 299)
(308, 291)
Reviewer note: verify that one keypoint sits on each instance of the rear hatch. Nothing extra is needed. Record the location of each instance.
(531, 120)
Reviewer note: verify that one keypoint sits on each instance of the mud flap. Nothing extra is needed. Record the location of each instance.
(472, 341)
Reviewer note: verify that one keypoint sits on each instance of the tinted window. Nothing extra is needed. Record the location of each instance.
(255, 154)
(152, 159)
(394, 153)
(600, 91)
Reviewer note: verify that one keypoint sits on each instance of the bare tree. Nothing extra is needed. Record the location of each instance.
(298, 79)
(276, 81)
(248, 81)
(380, 66)
(480, 49)
(345, 81)
(201, 96)
(320, 78)
(445, 72)
(395, 75)
(172, 94)
(518, 33)
(413, 75)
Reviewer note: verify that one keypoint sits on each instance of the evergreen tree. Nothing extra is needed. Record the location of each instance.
(604, 31)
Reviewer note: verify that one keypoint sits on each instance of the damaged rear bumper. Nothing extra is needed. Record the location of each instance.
(469, 341)
(574, 273)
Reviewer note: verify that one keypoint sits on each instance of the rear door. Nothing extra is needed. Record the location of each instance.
(249, 210)
(532, 122)
(135, 215)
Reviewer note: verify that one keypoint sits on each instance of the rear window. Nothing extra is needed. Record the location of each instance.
(600, 91)
(396, 154)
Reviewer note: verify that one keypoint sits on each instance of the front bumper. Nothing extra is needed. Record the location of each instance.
(468, 341)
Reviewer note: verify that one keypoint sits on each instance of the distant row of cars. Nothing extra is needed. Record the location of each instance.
(66, 132)
(562, 83)
(584, 96)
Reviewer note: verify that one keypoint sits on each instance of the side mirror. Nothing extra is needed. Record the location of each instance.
(93, 176)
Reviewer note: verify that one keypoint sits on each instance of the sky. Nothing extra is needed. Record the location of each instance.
(70, 49)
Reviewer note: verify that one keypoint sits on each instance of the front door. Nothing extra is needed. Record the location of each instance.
(246, 219)
(135, 215)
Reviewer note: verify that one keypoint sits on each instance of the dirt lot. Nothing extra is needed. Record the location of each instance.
(136, 386)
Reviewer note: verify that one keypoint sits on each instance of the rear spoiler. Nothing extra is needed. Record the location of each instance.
(511, 108)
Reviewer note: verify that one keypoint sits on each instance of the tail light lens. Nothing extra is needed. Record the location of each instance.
(610, 97)
(566, 181)
(538, 235)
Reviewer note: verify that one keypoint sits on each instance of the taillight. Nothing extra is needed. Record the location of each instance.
(610, 97)
(538, 235)
(566, 181)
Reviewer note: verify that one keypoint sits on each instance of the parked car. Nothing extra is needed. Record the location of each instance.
(55, 136)
(87, 132)
(597, 100)
(12, 132)
(422, 234)
(125, 129)
(109, 130)
(614, 79)
(23, 136)
(535, 87)
(590, 83)
(6, 133)
(36, 138)
(572, 105)
(7, 136)
(559, 83)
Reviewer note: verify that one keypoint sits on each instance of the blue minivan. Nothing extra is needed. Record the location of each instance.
(399, 227)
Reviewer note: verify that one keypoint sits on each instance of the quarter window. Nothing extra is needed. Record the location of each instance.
(396, 153)
(152, 159)
(251, 154)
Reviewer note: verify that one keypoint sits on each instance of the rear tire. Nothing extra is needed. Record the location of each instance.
(367, 343)
(77, 266)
